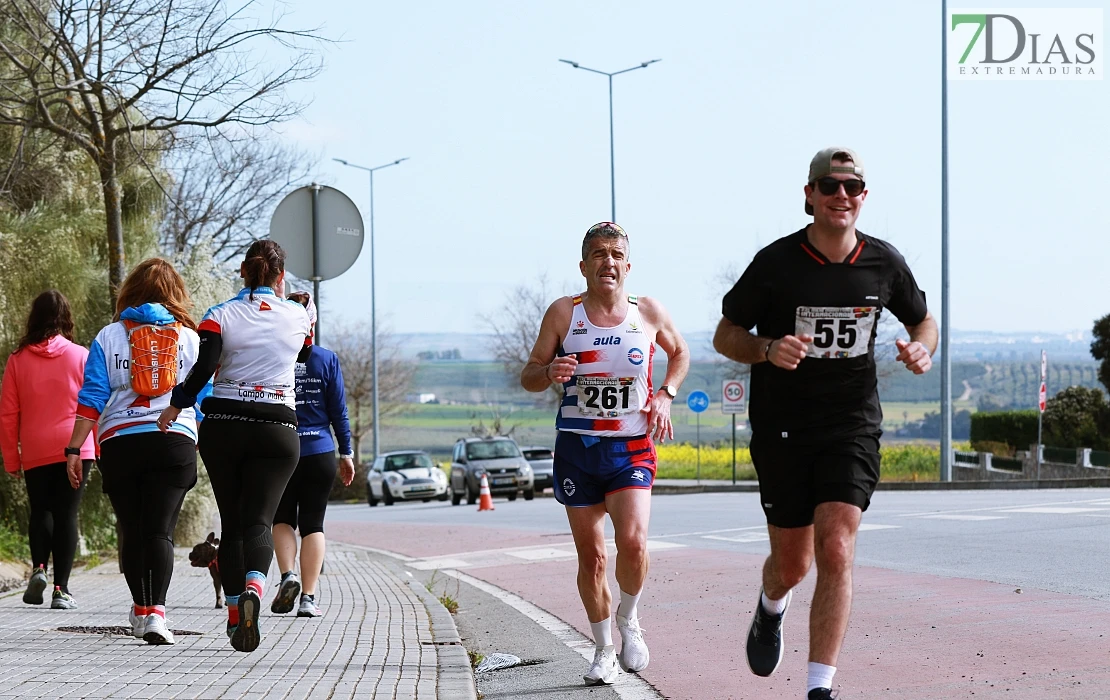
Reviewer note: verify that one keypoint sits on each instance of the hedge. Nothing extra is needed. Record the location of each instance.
(1018, 429)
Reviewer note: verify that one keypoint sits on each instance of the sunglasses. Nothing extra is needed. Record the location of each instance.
(829, 186)
(607, 228)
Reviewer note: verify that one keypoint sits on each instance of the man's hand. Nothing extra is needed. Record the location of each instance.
(914, 356)
(789, 350)
(561, 369)
(659, 417)
(74, 470)
(169, 415)
(346, 470)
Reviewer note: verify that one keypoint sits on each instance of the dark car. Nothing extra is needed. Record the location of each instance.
(542, 460)
(499, 458)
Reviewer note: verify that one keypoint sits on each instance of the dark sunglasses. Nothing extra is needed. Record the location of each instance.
(829, 186)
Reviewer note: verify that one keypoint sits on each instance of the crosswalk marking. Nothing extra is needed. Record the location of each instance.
(1052, 510)
(957, 516)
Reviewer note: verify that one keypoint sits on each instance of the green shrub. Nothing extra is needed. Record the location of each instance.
(195, 521)
(96, 521)
(1018, 429)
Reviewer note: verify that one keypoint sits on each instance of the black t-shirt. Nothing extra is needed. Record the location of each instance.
(790, 288)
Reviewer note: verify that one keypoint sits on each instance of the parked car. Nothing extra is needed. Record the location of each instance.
(499, 458)
(542, 460)
(404, 476)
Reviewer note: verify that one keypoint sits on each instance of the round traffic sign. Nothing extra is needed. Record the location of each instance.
(734, 391)
(698, 401)
(339, 232)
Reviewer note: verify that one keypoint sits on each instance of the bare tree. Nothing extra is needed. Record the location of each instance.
(223, 191)
(516, 325)
(352, 344)
(116, 75)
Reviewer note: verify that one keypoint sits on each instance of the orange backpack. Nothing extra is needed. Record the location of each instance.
(153, 362)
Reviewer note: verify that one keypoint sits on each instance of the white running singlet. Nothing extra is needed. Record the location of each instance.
(612, 382)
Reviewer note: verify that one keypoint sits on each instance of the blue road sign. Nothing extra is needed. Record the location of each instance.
(698, 401)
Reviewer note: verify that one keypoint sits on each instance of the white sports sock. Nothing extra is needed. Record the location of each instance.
(775, 607)
(603, 633)
(627, 607)
(820, 676)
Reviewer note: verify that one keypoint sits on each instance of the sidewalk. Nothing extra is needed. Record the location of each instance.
(381, 636)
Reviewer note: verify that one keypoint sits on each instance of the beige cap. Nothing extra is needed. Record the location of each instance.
(822, 166)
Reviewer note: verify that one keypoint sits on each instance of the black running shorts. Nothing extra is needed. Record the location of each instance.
(794, 479)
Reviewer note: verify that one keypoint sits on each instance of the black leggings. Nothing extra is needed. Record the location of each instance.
(146, 476)
(306, 495)
(53, 526)
(249, 464)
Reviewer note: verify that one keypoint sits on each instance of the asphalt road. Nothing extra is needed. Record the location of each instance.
(976, 582)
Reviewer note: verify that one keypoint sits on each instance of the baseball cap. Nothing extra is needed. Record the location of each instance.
(822, 166)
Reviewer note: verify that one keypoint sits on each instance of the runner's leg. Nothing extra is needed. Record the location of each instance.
(835, 527)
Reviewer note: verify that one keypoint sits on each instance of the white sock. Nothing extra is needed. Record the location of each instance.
(775, 607)
(820, 676)
(603, 633)
(627, 607)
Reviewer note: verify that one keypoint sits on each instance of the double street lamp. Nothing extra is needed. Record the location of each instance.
(373, 296)
(612, 167)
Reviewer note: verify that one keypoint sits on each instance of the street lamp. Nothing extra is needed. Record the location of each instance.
(945, 316)
(373, 296)
(612, 169)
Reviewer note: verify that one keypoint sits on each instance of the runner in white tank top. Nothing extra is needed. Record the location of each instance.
(599, 345)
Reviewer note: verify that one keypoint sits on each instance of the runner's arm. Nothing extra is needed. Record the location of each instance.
(737, 343)
(925, 333)
(543, 367)
(208, 359)
(669, 340)
(9, 419)
(336, 401)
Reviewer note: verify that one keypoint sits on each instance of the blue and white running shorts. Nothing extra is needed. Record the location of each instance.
(588, 468)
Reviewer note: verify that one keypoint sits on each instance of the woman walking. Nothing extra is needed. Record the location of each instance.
(321, 408)
(248, 439)
(131, 371)
(38, 399)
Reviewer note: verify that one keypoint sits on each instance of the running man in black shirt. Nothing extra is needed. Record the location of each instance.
(814, 298)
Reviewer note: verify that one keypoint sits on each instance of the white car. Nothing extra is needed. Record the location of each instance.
(407, 475)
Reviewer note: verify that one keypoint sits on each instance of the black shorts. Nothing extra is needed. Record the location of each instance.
(794, 479)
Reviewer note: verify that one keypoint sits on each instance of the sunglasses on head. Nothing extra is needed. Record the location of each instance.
(607, 228)
(829, 186)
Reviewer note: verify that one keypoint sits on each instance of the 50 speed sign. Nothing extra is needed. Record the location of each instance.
(733, 396)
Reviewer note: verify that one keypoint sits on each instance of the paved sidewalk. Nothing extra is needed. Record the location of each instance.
(380, 637)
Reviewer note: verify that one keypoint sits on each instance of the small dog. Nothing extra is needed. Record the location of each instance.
(204, 554)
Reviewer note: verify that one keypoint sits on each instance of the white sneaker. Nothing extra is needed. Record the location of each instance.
(156, 630)
(138, 624)
(634, 654)
(603, 671)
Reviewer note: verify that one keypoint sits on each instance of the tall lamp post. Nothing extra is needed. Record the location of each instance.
(373, 296)
(612, 167)
(945, 318)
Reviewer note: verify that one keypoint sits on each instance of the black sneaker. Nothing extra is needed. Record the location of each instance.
(765, 639)
(246, 635)
(35, 587)
(286, 596)
(821, 694)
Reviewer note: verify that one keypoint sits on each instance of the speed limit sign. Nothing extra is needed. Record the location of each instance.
(733, 396)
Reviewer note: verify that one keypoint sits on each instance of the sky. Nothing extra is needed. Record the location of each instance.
(509, 153)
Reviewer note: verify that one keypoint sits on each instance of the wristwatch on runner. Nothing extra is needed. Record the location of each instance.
(72, 452)
(669, 390)
(349, 456)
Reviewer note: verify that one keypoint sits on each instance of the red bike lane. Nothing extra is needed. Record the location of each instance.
(911, 635)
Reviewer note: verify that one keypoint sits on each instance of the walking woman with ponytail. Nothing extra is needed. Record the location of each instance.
(133, 365)
(248, 439)
(37, 402)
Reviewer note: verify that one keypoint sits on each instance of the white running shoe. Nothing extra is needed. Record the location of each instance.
(156, 630)
(603, 671)
(634, 654)
(138, 624)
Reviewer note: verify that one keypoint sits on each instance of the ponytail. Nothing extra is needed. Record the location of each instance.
(263, 265)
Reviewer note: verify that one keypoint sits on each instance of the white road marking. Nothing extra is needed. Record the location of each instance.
(518, 555)
(657, 546)
(958, 516)
(440, 563)
(868, 527)
(1052, 510)
(628, 686)
(1093, 501)
(541, 554)
(746, 537)
(710, 532)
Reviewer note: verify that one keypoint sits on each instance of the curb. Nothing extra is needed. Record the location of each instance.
(455, 674)
(1002, 485)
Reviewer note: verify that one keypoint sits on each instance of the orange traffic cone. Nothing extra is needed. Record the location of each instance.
(485, 500)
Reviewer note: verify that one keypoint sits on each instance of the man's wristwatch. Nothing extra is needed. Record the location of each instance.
(73, 452)
(350, 456)
(669, 390)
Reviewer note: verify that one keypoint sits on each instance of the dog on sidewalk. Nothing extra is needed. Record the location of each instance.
(205, 554)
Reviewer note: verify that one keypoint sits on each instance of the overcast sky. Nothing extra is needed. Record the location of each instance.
(510, 152)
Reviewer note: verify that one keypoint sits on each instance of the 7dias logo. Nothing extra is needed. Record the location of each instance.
(1025, 44)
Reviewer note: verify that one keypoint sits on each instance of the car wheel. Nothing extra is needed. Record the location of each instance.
(512, 496)
(443, 496)
(370, 496)
(387, 495)
(425, 500)
(471, 495)
(529, 494)
(456, 496)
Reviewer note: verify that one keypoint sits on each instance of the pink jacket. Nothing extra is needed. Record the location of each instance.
(38, 403)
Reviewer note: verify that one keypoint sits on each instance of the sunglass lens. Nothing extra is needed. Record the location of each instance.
(829, 186)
